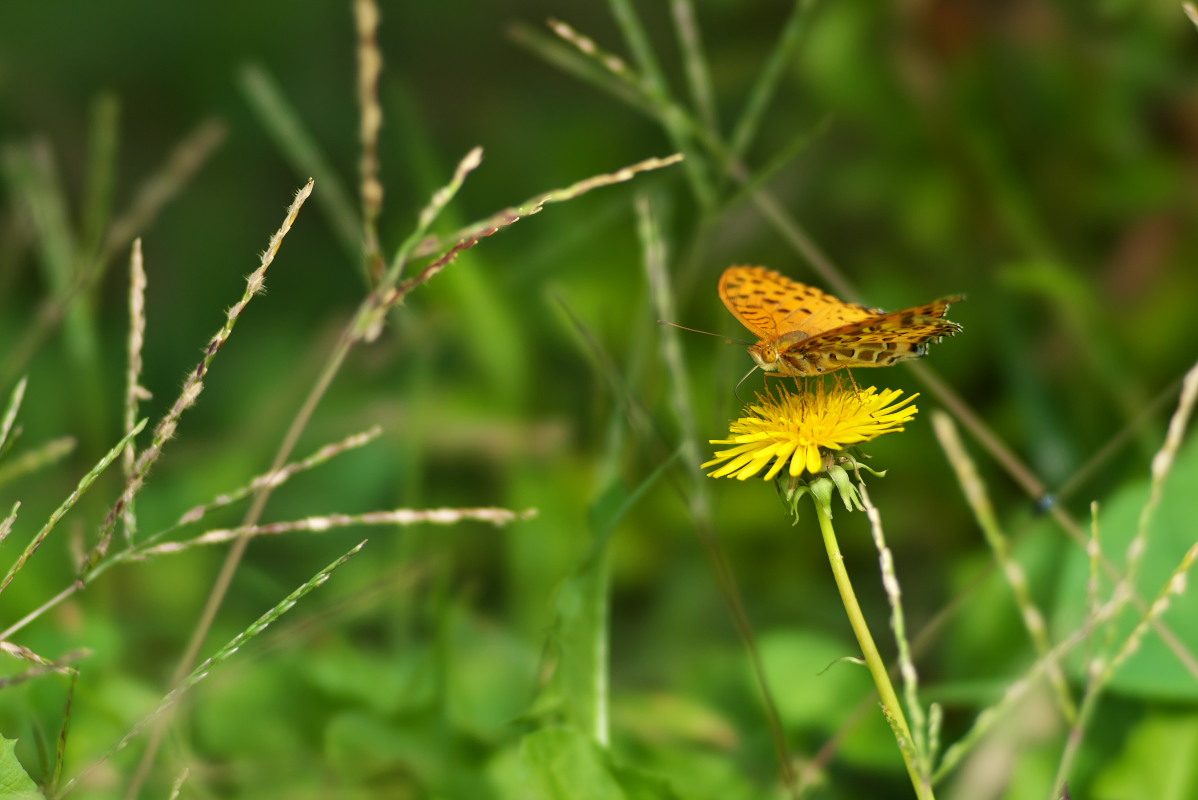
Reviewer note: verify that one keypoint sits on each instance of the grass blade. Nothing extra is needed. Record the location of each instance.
(288, 132)
(84, 484)
(103, 137)
(781, 57)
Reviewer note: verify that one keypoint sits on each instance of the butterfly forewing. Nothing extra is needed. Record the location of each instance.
(769, 304)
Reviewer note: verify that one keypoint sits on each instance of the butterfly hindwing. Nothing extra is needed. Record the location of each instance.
(881, 340)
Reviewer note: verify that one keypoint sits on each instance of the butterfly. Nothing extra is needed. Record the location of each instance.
(804, 331)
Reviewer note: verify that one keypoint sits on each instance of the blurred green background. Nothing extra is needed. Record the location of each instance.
(1038, 157)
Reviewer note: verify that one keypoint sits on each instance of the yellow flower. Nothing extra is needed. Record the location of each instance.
(802, 428)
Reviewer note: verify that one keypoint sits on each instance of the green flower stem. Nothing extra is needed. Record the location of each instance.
(890, 702)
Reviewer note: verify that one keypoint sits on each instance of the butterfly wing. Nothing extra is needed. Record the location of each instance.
(878, 341)
(770, 305)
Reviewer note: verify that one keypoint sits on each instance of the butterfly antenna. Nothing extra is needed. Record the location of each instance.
(727, 339)
(736, 389)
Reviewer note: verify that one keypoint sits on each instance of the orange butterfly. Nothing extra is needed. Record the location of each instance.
(804, 331)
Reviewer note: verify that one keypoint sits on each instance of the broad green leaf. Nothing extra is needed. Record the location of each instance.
(1158, 762)
(565, 764)
(15, 783)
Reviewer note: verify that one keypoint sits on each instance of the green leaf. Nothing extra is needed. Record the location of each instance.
(15, 783)
(1157, 764)
(817, 689)
(565, 764)
(812, 686)
(580, 631)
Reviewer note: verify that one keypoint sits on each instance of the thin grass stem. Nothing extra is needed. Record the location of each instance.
(585, 61)
(898, 624)
(164, 184)
(194, 384)
(534, 205)
(690, 42)
(289, 133)
(183, 161)
(366, 321)
(329, 522)
(103, 135)
(38, 457)
(661, 292)
(134, 391)
(1103, 670)
(1162, 465)
(440, 199)
(676, 122)
(195, 514)
(989, 717)
(10, 413)
(60, 745)
(8, 521)
(780, 59)
(996, 538)
(202, 671)
(370, 120)
(56, 516)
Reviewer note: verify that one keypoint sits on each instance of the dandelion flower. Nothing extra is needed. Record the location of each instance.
(803, 429)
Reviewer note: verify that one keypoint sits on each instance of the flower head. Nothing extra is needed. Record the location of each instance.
(802, 429)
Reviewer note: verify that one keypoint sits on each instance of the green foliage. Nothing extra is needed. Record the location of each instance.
(1166, 741)
(562, 764)
(1154, 671)
(15, 783)
(649, 633)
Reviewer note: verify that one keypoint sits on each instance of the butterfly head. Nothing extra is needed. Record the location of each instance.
(766, 356)
(782, 356)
